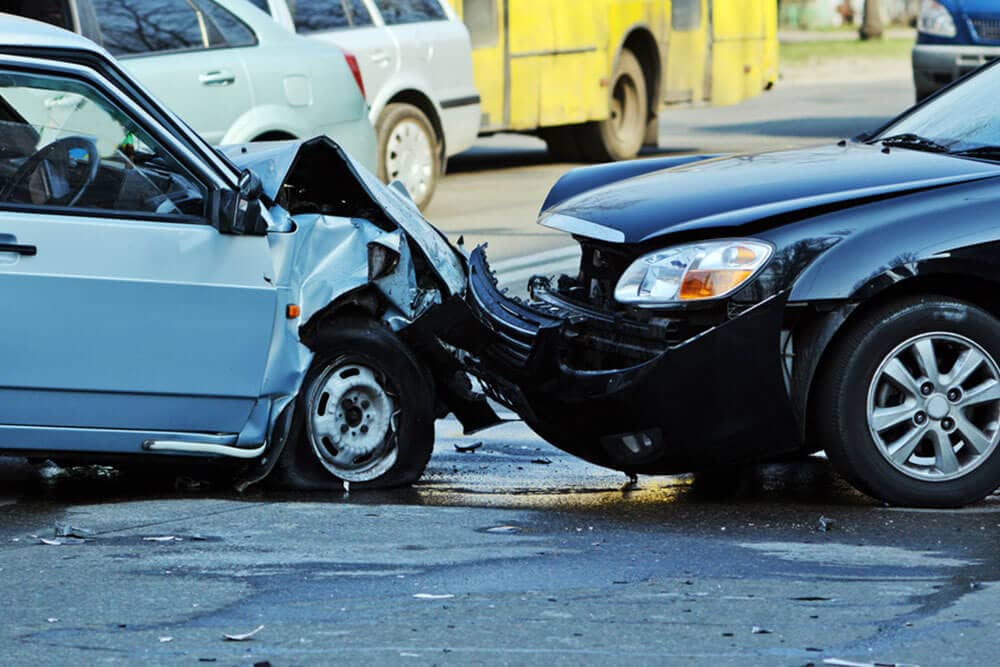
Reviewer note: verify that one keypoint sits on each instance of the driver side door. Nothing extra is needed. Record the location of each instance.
(127, 316)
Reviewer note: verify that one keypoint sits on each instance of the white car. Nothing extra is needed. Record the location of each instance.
(225, 68)
(416, 59)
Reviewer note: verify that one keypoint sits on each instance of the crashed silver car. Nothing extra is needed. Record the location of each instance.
(273, 305)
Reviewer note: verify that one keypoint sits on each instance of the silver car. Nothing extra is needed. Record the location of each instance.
(226, 68)
(162, 302)
(416, 59)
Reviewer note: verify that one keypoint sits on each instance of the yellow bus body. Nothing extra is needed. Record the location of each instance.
(548, 63)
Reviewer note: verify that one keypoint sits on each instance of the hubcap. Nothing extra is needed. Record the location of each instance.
(409, 158)
(934, 406)
(352, 422)
(625, 112)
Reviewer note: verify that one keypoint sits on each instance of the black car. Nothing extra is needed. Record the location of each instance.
(739, 309)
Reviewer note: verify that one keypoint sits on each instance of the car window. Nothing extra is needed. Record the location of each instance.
(262, 5)
(230, 30)
(134, 27)
(961, 118)
(64, 145)
(395, 12)
(319, 15)
(480, 18)
(55, 12)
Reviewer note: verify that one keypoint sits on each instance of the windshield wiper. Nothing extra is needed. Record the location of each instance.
(986, 152)
(915, 142)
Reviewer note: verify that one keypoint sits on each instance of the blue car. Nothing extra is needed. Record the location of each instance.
(954, 37)
(163, 299)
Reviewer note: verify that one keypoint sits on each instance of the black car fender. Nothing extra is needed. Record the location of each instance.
(584, 179)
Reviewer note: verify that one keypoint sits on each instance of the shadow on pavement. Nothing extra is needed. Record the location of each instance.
(818, 127)
(490, 158)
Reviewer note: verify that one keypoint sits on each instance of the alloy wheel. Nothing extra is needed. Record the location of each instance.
(934, 406)
(409, 158)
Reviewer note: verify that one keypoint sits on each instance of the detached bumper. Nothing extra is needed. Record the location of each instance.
(935, 66)
(644, 397)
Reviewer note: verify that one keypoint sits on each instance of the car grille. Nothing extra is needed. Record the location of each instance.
(988, 29)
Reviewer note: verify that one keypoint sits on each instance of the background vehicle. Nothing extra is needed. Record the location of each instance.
(954, 37)
(163, 303)
(225, 67)
(737, 309)
(590, 77)
(416, 61)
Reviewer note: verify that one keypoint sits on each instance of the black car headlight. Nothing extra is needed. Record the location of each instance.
(692, 272)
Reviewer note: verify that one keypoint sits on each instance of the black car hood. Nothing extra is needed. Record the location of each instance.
(734, 191)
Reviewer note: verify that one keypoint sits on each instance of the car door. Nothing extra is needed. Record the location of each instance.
(433, 47)
(125, 312)
(176, 50)
(350, 25)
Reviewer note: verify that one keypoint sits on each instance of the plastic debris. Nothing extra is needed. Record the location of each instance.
(163, 538)
(51, 471)
(824, 524)
(465, 449)
(66, 530)
(757, 630)
(59, 541)
(52, 620)
(433, 596)
(541, 461)
(503, 529)
(164, 640)
(243, 637)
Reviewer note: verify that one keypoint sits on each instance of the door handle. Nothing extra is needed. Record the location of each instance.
(217, 78)
(381, 58)
(20, 249)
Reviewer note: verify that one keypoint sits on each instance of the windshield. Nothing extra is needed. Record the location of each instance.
(961, 119)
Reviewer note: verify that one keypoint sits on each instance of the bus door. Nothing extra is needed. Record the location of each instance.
(487, 24)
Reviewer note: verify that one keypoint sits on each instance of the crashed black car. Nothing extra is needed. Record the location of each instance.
(736, 309)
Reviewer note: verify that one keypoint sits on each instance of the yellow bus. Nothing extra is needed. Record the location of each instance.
(590, 76)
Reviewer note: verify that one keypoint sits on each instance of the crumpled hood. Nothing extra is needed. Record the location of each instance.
(273, 162)
(734, 191)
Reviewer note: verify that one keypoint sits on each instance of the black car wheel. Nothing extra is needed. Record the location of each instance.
(364, 415)
(909, 408)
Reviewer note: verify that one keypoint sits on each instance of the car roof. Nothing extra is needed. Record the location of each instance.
(22, 32)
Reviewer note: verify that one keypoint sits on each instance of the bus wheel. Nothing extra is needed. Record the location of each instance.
(620, 136)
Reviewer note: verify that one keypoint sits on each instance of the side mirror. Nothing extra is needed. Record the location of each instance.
(240, 209)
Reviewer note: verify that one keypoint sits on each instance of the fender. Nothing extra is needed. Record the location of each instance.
(583, 179)
(271, 118)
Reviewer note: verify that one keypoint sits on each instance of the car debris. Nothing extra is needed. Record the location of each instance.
(541, 461)
(466, 449)
(756, 630)
(61, 541)
(243, 637)
(163, 538)
(66, 530)
(433, 596)
(825, 524)
(166, 640)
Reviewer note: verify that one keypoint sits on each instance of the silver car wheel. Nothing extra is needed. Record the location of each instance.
(409, 158)
(352, 422)
(934, 406)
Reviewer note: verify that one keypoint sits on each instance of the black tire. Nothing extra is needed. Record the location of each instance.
(839, 408)
(621, 135)
(360, 341)
(389, 123)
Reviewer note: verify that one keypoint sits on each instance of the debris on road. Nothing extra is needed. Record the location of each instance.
(52, 620)
(850, 663)
(503, 529)
(541, 461)
(756, 630)
(466, 449)
(824, 524)
(433, 596)
(243, 637)
(66, 530)
(163, 538)
(58, 542)
(165, 640)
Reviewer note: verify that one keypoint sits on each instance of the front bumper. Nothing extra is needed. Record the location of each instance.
(936, 65)
(646, 397)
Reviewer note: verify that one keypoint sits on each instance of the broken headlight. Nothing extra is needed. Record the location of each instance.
(692, 272)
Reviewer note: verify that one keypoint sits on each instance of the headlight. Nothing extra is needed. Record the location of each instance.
(693, 272)
(935, 19)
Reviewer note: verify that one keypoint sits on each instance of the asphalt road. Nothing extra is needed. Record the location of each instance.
(513, 553)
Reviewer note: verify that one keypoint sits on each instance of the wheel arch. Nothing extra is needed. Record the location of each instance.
(640, 41)
(421, 101)
(826, 324)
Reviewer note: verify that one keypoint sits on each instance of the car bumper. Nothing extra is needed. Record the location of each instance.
(649, 400)
(936, 65)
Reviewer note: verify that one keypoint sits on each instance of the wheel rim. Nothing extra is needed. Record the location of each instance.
(409, 158)
(352, 422)
(934, 406)
(624, 109)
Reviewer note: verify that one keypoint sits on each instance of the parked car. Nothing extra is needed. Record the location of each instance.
(416, 59)
(162, 302)
(739, 309)
(954, 37)
(226, 68)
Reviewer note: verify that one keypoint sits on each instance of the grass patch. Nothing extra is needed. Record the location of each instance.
(801, 53)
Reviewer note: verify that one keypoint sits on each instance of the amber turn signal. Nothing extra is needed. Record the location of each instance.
(292, 311)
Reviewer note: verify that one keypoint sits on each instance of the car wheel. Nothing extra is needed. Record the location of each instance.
(364, 415)
(409, 151)
(620, 136)
(909, 408)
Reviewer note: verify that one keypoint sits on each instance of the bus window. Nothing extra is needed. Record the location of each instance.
(480, 18)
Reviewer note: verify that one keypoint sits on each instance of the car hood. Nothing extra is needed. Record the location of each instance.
(733, 191)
